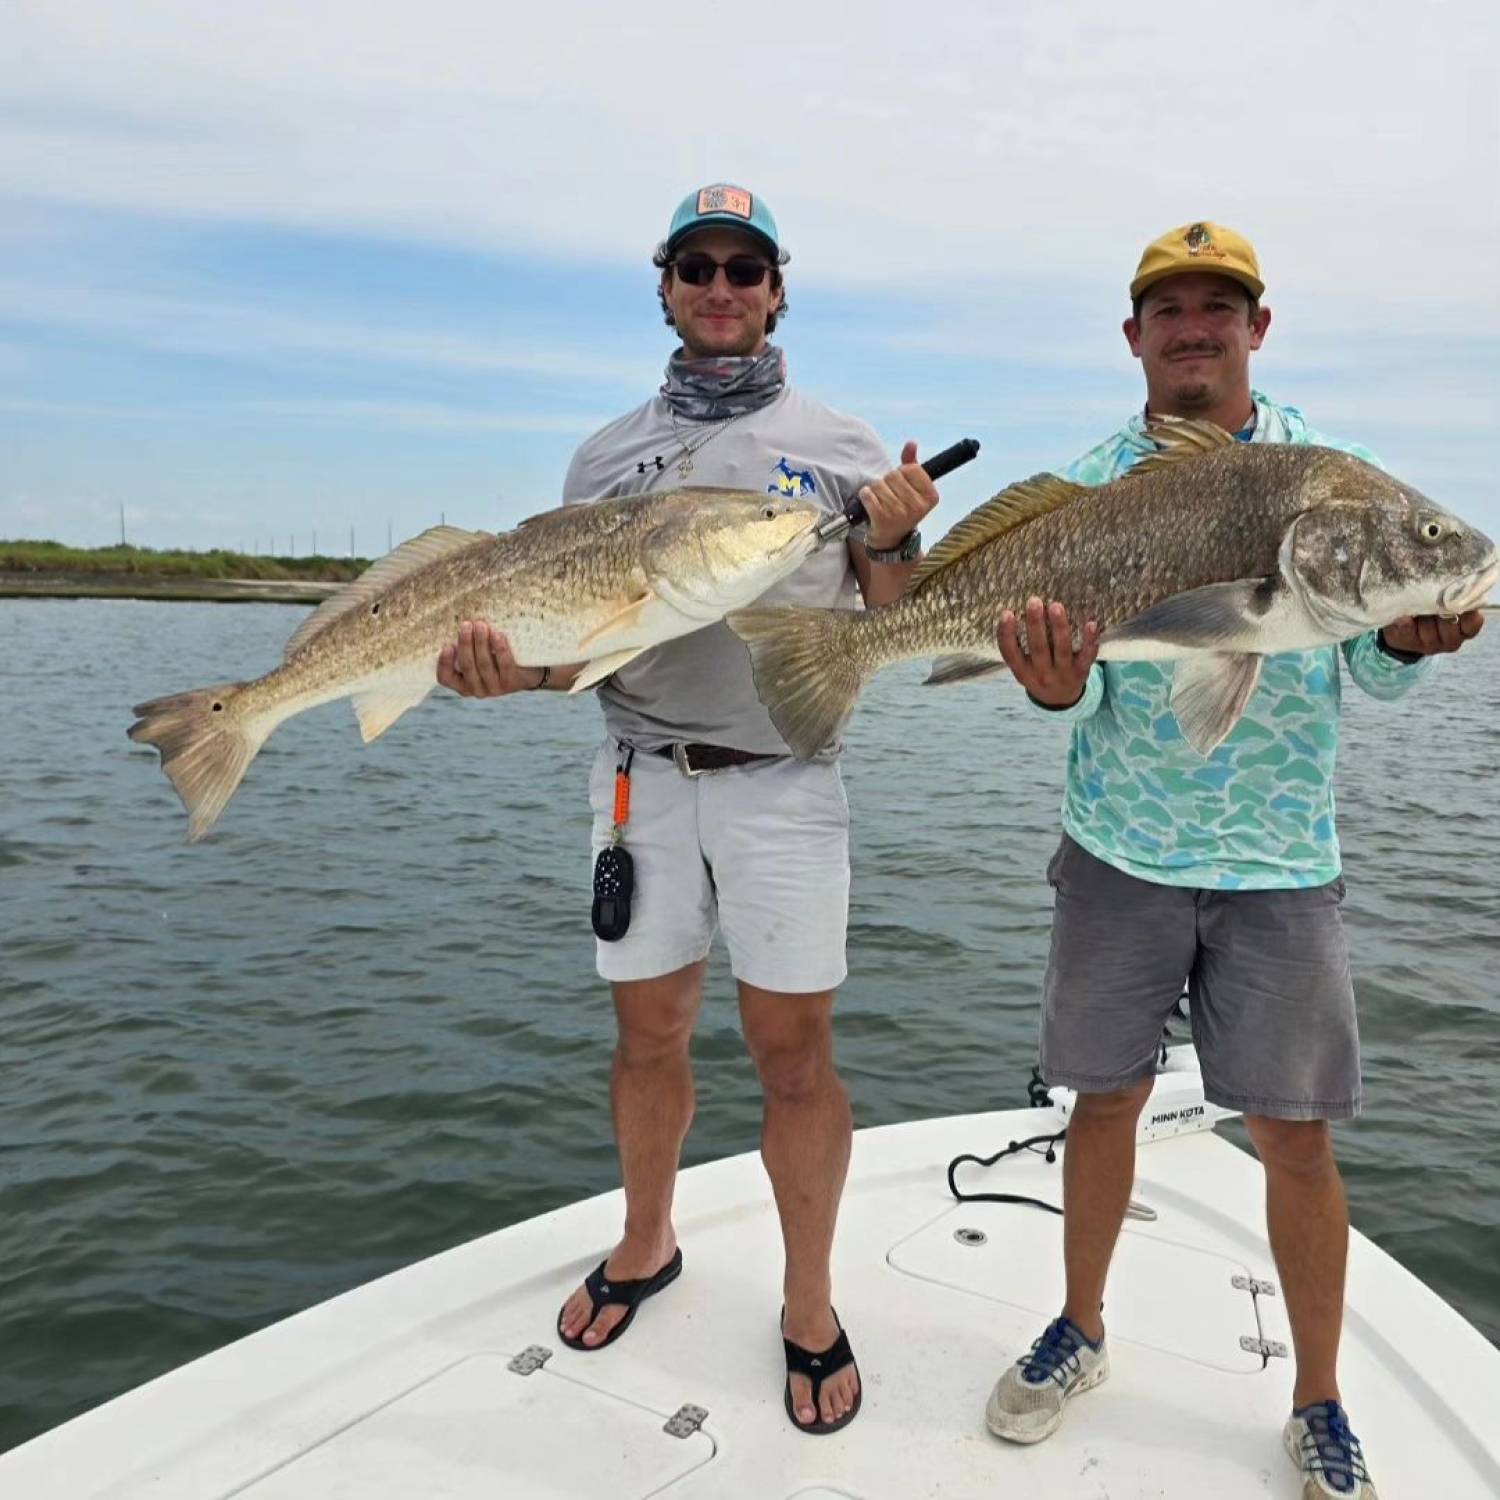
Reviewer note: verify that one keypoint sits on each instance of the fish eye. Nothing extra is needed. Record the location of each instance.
(1430, 530)
(769, 512)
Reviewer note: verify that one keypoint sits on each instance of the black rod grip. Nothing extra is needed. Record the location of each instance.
(935, 467)
(951, 458)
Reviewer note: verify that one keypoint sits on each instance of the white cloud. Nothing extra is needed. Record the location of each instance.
(328, 411)
(34, 406)
(418, 416)
(191, 326)
(1359, 144)
(975, 180)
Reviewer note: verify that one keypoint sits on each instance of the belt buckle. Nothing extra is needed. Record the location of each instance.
(683, 764)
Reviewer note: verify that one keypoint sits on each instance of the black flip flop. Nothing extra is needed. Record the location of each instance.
(818, 1365)
(604, 1292)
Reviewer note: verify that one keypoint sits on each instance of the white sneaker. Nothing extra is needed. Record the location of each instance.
(1027, 1402)
(1319, 1442)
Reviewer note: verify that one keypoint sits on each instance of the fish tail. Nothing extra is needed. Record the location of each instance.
(806, 671)
(205, 747)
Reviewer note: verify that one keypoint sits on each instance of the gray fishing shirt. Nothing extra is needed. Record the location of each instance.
(699, 688)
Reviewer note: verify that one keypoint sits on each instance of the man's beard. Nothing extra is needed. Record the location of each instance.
(737, 343)
(1196, 396)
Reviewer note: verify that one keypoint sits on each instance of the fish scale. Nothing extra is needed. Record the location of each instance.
(589, 584)
(1209, 552)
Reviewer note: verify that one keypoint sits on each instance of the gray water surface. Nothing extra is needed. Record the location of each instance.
(361, 1024)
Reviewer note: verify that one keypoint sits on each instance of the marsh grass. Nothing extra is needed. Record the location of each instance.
(54, 557)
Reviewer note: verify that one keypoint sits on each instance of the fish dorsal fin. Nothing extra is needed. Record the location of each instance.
(544, 518)
(602, 515)
(1012, 507)
(435, 542)
(1177, 438)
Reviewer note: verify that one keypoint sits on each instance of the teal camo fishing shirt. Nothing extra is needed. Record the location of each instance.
(1258, 814)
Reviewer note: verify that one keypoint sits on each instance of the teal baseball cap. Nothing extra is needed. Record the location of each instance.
(722, 205)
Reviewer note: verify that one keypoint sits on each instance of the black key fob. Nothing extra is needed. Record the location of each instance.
(614, 879)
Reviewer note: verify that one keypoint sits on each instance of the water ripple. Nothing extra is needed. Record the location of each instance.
(361, 1023)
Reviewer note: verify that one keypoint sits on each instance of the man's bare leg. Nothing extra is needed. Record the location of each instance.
(1098, 1174)
(805, 1137)
(1308, 1220)
(651, 1091)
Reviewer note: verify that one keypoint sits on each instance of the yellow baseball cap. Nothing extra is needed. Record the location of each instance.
(1202, 247)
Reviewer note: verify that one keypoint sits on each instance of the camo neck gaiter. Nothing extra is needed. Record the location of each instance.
(719, 386)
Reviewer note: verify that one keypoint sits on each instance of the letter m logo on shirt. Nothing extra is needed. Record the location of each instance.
(785, 480)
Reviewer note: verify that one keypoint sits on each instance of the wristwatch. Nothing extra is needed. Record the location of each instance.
(908, 549)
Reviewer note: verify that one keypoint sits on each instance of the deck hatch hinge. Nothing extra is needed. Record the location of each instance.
(1254, 1287)
(530, 1360)
(685, 1421)
(1266, 1348)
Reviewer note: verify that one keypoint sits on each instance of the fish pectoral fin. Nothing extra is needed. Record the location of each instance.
(620, 621)
(601, 667)
(378, 707)
(961, 667)
(1209, 693)
(1216, 617)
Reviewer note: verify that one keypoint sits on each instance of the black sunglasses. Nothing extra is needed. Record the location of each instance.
(697, 269)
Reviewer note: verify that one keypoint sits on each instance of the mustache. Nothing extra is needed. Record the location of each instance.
(1199, 346)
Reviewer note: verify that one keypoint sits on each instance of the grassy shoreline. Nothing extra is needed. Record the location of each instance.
(49, 570)
(41, 558)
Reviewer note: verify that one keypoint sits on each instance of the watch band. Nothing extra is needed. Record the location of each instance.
(909, 549)
(1406, 658)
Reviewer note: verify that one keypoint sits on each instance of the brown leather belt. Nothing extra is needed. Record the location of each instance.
(695, 760)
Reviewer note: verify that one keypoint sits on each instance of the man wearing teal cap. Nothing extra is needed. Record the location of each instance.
(723, 206)
(725, 828)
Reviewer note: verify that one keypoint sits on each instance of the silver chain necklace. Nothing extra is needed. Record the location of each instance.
(685, 463)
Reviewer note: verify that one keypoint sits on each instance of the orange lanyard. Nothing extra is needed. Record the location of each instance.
(622, 792)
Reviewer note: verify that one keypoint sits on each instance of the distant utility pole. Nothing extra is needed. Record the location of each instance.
(442, 518)
(315, 544)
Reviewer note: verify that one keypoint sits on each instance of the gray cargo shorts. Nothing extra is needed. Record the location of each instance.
(1269, 994)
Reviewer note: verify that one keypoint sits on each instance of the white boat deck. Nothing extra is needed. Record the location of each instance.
(405, 1387)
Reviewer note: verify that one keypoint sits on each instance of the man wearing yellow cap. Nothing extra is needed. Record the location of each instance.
(1233, 880)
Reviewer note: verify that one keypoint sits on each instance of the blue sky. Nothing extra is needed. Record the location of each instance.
(326, 266)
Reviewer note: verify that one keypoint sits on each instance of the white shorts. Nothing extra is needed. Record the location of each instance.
(761, 850)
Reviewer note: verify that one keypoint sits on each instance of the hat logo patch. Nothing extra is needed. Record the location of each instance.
(1200, 242)
(724, 200)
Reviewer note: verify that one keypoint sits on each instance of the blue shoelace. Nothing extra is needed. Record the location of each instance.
(1054, 1356)
(1329, 1447)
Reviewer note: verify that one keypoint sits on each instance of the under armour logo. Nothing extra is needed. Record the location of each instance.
(603, 1286)
(658, 462)
(817, 1364)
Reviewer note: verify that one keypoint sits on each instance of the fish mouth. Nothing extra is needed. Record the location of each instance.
(800, 543)
(1464, 595)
